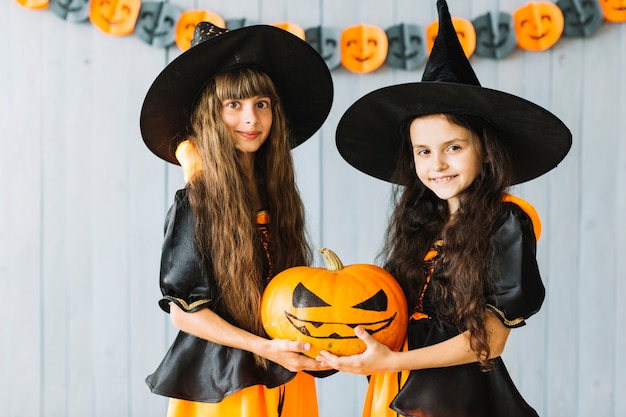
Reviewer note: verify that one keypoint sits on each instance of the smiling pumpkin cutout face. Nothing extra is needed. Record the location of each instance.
(33, 4)
(538, 25)
(407, 49)
(581, 17)
(156, 23)
(325, 40)
(71, 10)
(323, 306)
(495, 38)
(614, 10)
(363, 48)
(464, 30)
(187, 23)
(115, 17)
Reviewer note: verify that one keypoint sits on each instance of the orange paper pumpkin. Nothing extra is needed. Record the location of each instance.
(464, 30)
(34, 4)
(323, 306)
(614, 10)
(538, 25)
(115, 17)
(291, 28)
(187, 23)
(363, 48)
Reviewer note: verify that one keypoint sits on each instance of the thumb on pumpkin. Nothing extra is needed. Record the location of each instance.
(187, 155)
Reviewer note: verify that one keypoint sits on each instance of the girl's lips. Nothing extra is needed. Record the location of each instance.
(249, 135)
(442, 180)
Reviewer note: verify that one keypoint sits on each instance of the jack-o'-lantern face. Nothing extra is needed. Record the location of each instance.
(581, 17)
(291, 28)
(363, 48)
(407, 49)
(494, 38)
(114, 17)
(34, 4)
(71, 10)
(187, 23)
(464, 31)
(538, 25)
(614, 10)
(323, 307)
(156, 23)
(325, 40)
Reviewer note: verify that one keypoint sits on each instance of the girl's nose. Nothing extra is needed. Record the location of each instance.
(439, 162)
(249, 114)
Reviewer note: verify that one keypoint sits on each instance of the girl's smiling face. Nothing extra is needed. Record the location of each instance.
(447, 157)
(249, 120)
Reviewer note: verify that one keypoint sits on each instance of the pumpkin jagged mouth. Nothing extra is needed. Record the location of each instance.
(315, 329)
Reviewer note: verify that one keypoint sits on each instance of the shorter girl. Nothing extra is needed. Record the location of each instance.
(460, 246)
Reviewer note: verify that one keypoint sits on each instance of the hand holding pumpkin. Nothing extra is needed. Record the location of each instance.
(324, 306)
(376, 358)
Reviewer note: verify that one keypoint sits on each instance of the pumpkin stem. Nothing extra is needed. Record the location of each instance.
(333, 263)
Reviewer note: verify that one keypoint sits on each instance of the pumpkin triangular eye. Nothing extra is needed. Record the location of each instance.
(304, 298)
(378, 302)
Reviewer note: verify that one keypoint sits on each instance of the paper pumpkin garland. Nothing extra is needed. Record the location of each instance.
(188, 21)
(71, 10)
(582, 17)
(114, 17)
(33, 4)
(157, 22)
(464, 30)
(614, 10)
(407, 47)
(536, 26)
(363, 48)
(495, 38)
(322, 306)
(325, 40)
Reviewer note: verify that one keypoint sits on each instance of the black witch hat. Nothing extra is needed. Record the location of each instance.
(299, 73)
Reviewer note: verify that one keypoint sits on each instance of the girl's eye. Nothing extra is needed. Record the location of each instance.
(421, 152)
(264, 104)
(454, 148)
(232, 104)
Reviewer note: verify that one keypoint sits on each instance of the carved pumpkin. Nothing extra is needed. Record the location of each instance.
(323, 306)
(187, 23)
(614, 10)
(538, 25)
(363, 48)
(114, 17)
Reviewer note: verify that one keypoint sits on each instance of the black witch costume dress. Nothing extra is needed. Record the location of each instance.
(198, 370)
(467, 390)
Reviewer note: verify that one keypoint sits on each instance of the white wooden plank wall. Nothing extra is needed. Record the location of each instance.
(83, 201)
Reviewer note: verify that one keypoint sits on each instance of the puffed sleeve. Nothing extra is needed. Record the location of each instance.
(518, 289)
(183, 279)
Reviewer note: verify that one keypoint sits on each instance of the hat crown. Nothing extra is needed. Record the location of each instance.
(447, 61)
(205, 31)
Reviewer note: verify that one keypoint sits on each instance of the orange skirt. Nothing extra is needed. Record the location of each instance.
(384, 387)
(296, 398)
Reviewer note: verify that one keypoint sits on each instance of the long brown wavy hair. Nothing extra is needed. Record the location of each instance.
(225, 228)
(420, 218)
